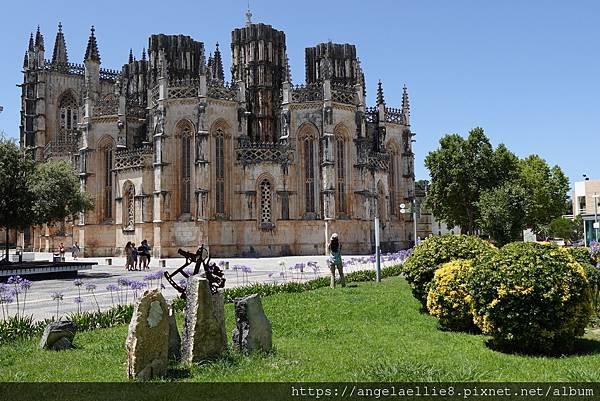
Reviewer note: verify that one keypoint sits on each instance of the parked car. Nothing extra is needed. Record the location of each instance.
(557, 241)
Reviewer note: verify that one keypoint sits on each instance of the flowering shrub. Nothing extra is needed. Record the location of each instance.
(434, 251)
(448, 297)
(531, 297)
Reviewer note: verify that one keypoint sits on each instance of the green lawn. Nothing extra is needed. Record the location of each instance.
(367, 332)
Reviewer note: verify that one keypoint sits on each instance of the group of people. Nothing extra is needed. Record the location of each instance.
(137, 258)
(60, 251)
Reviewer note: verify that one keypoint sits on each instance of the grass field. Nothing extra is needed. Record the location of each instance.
(366, 332)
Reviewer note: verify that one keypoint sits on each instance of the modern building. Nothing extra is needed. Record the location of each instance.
(174, 154)
(586, 196)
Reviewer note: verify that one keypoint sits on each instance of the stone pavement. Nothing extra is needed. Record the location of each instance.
(39, 301)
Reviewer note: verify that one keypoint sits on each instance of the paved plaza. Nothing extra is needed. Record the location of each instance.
(242, 271)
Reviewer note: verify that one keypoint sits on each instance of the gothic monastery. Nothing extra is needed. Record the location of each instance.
(257, 166)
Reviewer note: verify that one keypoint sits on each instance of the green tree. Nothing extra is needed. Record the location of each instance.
(561, 228)
(32, 194)
(502, 212)
(546, 189)
(57, 193)
(461, 170)
(16, 197)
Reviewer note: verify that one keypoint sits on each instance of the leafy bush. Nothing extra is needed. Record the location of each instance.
(584, 257)
(85, 321)
(448, 297)
(531, 297)
(434, 251)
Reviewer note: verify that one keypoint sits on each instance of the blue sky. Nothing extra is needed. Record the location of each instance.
(528, 72)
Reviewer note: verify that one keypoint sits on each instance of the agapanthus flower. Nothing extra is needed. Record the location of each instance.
(78, 282)
(78, 300)
(112, 287)
(90, 287)
(26, 284)
(57, 296)
(14, 280)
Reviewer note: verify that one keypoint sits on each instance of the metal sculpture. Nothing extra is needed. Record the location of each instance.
(201, 258)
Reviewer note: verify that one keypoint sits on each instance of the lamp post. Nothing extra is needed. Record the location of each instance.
(595, 197)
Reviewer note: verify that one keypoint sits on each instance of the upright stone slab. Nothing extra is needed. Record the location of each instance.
(204, 335)
(148, 338)
(174, 338)
(58, 335)
(253, 331)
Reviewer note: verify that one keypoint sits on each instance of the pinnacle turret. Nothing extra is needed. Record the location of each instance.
(92, 53)
(287, 70)
(144, 54)
(26, 60)
(380, 98)
(59, 55)
(39, 39)
(30, 47)
(130, 55)
(216, 66)
(405, 101)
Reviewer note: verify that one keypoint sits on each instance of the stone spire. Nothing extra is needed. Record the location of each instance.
(39, 39)
(405, 106)
(380, 98)
(405, 102)
(144, 54)
(287, 77)
(130, 55)
(217, 66)
(31, 48)
(59, 56)
(92, 53)
(248, 15)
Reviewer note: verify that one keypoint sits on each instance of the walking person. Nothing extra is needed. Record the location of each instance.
(61, 251)
(144, 252)
(335, 259)
(134, 256)
(75, 251)
(128, 256)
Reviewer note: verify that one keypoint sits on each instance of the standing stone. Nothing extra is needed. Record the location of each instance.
(58, 335)
(174, 338)
(204, 335)
(148, 338)
(253, 331)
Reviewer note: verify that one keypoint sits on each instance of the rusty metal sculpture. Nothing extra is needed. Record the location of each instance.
(201, 258)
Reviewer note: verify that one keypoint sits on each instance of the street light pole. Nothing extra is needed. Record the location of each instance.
(595, 197)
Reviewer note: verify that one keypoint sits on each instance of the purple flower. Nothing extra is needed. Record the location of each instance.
(124, 282)
(15, 292)
(78, 282)
(6, 299)
(137, 285)
(246, 269)
(183, 283)
(90, 287)
(222, 263)
(112, 287)
(57, 296)
(26, 284)
(271, 274)
(78, 300)
(14, 280)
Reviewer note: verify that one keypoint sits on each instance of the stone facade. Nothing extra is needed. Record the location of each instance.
(259, 166)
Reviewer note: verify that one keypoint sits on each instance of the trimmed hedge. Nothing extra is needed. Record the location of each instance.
(448, 297)
(531, 298)
(420, 267)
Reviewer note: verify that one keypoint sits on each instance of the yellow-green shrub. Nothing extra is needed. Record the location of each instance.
(531, 297)
(434, 251)
(448, 297)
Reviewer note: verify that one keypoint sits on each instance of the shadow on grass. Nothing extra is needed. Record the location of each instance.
(581, 347)
(178, 373)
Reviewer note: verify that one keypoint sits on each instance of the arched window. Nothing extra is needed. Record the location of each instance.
(107, 179)
(129, 209)
(341, 135)
(68, 113)
(266, 197)
(309, 174)
(185, 177)
(220, 171)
